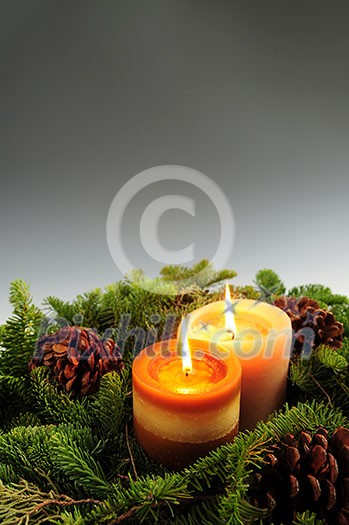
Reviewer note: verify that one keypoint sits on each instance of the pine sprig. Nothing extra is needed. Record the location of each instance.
(78, 464)
(269, 285)
(308, 518)
(108, 406)
(324, 376)
(55, 405)
(85, 309)
(15, 396)
(19, 334)
(201, 274)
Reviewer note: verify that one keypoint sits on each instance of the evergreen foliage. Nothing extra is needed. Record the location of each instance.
(201, 274)
(308, 518)
(269, 284)
(19, 334)
(324, 376)
(75, 461)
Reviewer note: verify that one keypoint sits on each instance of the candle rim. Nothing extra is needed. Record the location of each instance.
(219, 391)
(260, 309)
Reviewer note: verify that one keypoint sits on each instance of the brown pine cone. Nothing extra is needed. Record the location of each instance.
(312, 325)
(77, 358)
(306, 473)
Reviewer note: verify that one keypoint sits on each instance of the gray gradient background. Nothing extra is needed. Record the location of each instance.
(254, 94)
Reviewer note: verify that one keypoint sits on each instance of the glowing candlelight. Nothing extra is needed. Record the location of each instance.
(186, 355)
(229, 315)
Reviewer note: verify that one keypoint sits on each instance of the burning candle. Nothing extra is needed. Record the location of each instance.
(260, 335)
(185, 404)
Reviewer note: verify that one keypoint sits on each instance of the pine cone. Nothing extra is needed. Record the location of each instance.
(312, 325)
(306, 474)
(77, 358)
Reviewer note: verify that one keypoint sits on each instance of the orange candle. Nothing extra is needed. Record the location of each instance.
(185, 405)
(260, 335)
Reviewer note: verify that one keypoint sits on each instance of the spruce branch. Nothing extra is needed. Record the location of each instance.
(86, 307)
(63, 309)
(269, 285)
(54, 404)
(78, 464)
(201, 274)
(15, 397)
(324, 375)
(108, 405)
(19, 334)
(307, 518)
(136, 509)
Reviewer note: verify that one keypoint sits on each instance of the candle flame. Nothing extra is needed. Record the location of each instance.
(186, 355)
(229, 316)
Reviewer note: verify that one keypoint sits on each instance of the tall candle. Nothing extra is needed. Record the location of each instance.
(182, 411)
(262, 343)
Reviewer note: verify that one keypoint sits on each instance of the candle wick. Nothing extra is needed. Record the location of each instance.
(187, 373)
(232, 333)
